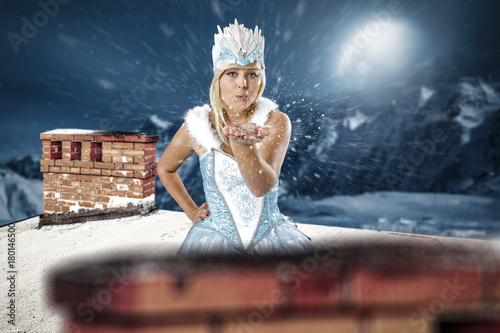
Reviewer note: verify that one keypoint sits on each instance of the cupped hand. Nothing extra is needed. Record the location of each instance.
(247, 133)
(199, 213)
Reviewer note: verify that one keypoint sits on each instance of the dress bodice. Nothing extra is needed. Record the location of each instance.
(235, 213)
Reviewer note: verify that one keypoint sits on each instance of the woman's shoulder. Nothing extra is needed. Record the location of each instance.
(278, 118)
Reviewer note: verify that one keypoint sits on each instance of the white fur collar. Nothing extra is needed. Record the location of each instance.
(199, 126)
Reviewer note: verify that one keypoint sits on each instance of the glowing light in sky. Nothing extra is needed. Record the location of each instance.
(375, 49)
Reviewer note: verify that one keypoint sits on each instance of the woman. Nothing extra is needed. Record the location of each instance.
(241, 144)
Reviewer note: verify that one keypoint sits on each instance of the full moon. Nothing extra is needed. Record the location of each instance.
(375, 49)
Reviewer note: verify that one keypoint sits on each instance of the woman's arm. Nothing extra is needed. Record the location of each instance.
(260, 167)
(178, 151)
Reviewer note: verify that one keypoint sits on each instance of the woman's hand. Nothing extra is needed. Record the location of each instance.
(247, 133)
(199, 213)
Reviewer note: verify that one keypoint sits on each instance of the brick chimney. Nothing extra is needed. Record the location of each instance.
(97, 175)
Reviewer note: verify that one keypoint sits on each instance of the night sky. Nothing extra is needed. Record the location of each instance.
(86, 63)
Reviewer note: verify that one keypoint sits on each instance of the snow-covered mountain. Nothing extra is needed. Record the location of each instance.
(21, 189)
(442, 141)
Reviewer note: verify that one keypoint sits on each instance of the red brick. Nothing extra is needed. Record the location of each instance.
(66, 189)
(112, 152)
(65, 208)
(46, 149)
(121, 187)
(143, 174)
(96, 185)
(65, 196)
(44, 169)
(107, 144)
(53, 156)
(104, 179)
(118, 166)
(46, 137)
(76, 183)
(119, 173)
(105, 199)
(96, 172)
(147, 159)
(135, 195)
(48, 194)
(47, 162)
(64, 163)
(63, 137)
(66, 203)
(85, 184)
(121, 194)
(66, 156)
(66, 182)
(86, 171)
(56, 181)
(103, 165)
(104, 138)
(85, 177)
(48, 201)
(83, 190)
(108, 158)
(121, 180)
(106, 186)
(133, 152)
(137, 167)
(71, 176)
(109, 193)
(86, 204)
(47, 207)
(85, 197)
(82, 137)
(144, 145)
(56, 208)
(65, 169)
(49, 188)
(83, 164)
(67, 143)
(126, 145)
(149, 186)
(106, 172)
(149, 192)
(46, 142)
(75, 170)
(95, 198)
(135, 138)
(371, 288)
(119, 138)
(88, 144)
(75, 196)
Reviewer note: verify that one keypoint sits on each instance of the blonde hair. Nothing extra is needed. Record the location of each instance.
(216, 100)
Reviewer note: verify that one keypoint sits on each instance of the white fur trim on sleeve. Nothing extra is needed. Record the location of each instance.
(263, 110)
(200, 129)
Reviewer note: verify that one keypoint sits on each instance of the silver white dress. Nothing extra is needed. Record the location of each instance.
(239, 222)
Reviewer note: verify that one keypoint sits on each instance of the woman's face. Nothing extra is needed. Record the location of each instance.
(239, 88)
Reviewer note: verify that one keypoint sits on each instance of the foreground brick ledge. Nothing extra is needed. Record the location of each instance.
(351, 286)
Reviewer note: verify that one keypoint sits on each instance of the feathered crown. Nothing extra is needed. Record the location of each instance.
(238, 45)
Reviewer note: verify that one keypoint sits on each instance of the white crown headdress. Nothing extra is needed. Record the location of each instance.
(238, 44)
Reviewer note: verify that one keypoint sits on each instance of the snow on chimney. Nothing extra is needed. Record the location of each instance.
(97, 175)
